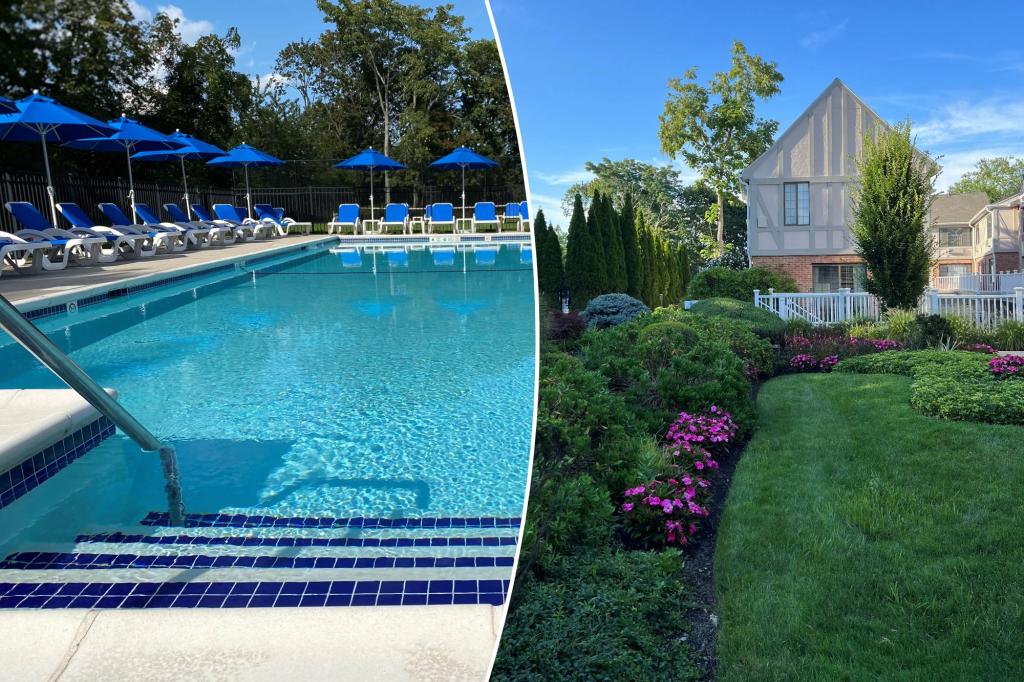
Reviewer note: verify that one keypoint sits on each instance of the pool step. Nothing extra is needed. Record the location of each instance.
(236, 560)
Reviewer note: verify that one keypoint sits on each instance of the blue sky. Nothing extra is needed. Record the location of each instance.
(589, 78)
(266, 26)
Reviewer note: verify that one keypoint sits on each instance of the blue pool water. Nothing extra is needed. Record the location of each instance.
(363, 383)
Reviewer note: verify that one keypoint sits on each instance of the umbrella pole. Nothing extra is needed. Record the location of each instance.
(248, 197)
(131, 180)
(49, 181)
(371, 195)
(463, 192)
(184, 181)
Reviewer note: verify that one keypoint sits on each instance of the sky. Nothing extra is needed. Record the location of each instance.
(266, 26)
(590, 77)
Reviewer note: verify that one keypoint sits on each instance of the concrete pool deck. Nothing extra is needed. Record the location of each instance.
(395, 643)
(78, 280)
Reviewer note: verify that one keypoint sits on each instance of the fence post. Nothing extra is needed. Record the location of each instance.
(757, 298)
(844, 301)
(1018, 304)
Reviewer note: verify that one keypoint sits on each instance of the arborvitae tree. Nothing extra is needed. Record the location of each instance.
(550, 273)
(614, 251)
(684, 270)
(648, 261)
(630, 247)
(579, 258)
(889, 211)
(595, 230)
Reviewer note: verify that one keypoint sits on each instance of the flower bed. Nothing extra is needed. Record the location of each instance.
(1007, 366)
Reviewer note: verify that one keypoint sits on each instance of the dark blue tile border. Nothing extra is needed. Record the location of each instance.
(251, 594)
(245, 541)
(92, 561)
(18, 480)
(245, 521)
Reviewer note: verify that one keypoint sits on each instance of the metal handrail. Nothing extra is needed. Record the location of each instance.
(54, 359)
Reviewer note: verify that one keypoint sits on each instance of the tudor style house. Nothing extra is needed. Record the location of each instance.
(997, 229)
(949, 222)
(798, 193)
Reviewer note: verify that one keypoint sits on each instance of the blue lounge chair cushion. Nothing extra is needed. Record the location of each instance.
(227, 212)
(267, 211)
(74, 214)
(115, 215)
(512, 210)
(396, 213)
(177, 215)
(348, 214)
(484, 211)
(147, 214)
(427, 211)
(442, 213)
(524, 211)
(202, 213)
(28, 216)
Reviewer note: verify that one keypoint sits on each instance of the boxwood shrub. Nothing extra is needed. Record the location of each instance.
(718, 282)
(765, 323)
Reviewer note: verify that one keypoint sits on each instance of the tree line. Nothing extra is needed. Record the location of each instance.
(610, 250)
(406, 79)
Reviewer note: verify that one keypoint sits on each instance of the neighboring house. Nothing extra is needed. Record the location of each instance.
(996, 236)
(798, 193)
(949, 221)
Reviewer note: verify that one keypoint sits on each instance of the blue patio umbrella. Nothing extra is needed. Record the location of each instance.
(245, 155)
(370, 160)
(129, 136)
(463, 158)
(192, 148)
(8, 106)
(41, 118)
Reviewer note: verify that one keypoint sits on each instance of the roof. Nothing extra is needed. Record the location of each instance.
(956, 208)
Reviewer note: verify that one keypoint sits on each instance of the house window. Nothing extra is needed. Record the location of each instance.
(797, 201)
(835, 277)
(954, 269)
(952, 237)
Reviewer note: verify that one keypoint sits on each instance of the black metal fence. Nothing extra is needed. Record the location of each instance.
(307, 204)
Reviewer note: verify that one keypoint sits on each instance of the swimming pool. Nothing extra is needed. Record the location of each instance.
(374, 382)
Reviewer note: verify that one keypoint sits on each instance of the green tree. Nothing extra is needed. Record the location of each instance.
(630, 246)
(889, 210)
(684, 270)
(580, 265)
(714, 127)
(550, 270)
(596, 230)
(998, 177)
(614, 252)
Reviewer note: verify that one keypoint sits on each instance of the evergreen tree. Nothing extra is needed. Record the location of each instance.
(613, 249)
(595, 228)
(648, 262)
(684, 270)
(579, 257)
(630, 247)
(550, 273)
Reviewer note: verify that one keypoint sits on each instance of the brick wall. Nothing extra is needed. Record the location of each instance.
(799, 267)
(1005, 261)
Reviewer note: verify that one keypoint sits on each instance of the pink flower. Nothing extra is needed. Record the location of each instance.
(627, 507)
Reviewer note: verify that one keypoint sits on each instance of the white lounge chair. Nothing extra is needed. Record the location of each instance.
(167, 240)
(126, 245)
(396, 215)
(79, 249)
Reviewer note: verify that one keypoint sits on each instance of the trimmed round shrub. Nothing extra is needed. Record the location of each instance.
(765, 323)
(718, 282)
(609, 310)
(930, 331)
(658, 343)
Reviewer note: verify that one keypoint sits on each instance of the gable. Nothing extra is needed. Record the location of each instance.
(823, 141)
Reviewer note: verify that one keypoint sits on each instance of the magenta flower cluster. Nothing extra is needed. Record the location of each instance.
(1006, 366)
(824, 348)
(803, 362)
(981, 348)
(666, 510)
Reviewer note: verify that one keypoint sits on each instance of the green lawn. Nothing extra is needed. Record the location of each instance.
(864, 541)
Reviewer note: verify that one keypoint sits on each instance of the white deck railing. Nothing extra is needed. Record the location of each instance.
(1004, 282)
(984, 310)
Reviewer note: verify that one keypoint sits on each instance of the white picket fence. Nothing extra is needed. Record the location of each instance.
(1001, 282)
(984, 310)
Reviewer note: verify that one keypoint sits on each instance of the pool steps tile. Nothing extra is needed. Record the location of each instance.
(245, 521)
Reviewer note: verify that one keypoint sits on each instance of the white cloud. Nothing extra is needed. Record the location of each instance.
(816, 39)
(190, 30)
(552, 207)
(955, 164)
(963, 120)
(140, 12)
(565, 178)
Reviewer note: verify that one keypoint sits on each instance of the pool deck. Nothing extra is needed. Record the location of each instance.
(393, 643)
(77, 280)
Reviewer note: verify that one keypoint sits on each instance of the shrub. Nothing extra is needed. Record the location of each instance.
(708, 375)
(756, 352)
(824, 348)
(622, 612)
(798, 327)
(609, 310)
(869, 330)
(718, 282)
(966, 334)
(930, 331)
(766, 324)
(564, 327)
(905, 362)
(1010, 335)
(802, 362)
(659, 342)
(899, 324)
(567, 514)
